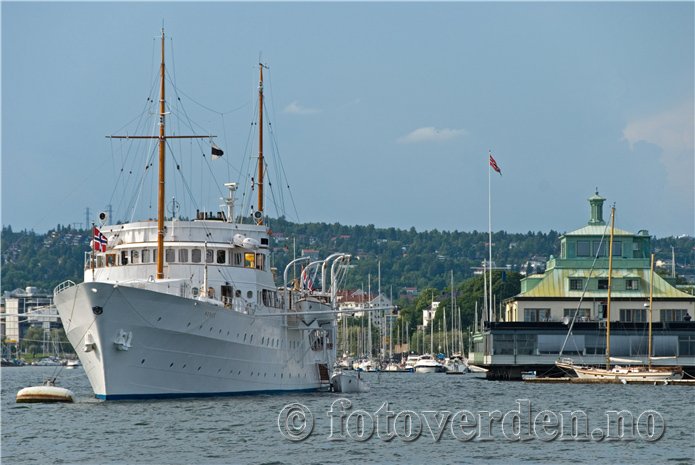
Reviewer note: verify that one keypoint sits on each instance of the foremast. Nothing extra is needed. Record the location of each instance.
(162, 137)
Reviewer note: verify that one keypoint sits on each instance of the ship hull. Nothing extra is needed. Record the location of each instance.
(136, 343)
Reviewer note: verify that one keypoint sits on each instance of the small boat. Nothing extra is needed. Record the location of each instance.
(348, 382)
(456, 366)
(71, 364)
(427, 364)
(477, 371)
(48, 362)
(47, 392)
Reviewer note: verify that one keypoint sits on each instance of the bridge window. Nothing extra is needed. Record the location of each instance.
(145, 255)
(134, 256)
(124, 257)
(221, 257)
(237, 259)
(260, 261)
(195, 255)
(183, 255)
(250, 260)
(208, 256)
(169, 255)
(583, 249)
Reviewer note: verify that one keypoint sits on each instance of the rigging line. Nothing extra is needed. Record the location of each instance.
(284, 174)
(143, 175)
(190, 122)
(581, 298)
(212, 110)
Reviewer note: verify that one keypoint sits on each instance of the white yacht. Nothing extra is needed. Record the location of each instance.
(427, 364)
(176, 308)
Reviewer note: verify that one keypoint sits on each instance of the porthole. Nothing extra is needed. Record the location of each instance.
(171, 364)
(249, 295)
(199, 368)
(184, 366)
(142, 361)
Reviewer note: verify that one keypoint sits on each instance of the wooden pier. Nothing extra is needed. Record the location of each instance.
(568, 380)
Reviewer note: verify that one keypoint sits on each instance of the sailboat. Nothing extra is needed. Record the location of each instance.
(188, 308)
(616, 372)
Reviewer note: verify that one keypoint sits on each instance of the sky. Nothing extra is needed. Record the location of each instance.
(382, 113)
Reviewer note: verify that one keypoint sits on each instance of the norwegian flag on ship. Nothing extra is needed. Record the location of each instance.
(99, 242)
(307, 282)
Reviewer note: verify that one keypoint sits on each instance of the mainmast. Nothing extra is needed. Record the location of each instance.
(162, 137)
(610, 284)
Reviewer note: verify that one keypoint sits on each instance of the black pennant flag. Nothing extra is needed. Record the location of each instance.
(216, 152)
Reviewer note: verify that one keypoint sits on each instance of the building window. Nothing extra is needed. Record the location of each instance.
(260, 261)
(673, 314)
(632, 284)
(183, 255)
(169, 255)
(633, 315)
(583, 249)
(196, 255)
(600, 248)
(617, 249)
(686, 346)
(603, 284)
(536, 314)
(526, 344)
(576, 284)
(503, 344)
(583, 314)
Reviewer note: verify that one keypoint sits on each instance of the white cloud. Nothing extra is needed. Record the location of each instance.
(672, 130)
(431, 134)
(295, 108)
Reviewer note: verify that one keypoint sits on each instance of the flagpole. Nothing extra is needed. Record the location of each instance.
(92, 260)
(489, 230)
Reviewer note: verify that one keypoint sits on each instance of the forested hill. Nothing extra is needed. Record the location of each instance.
(409, 259)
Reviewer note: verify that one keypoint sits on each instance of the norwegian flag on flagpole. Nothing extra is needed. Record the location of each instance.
(99, 242)
(494, 166)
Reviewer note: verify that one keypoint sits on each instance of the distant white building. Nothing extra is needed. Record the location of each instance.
(27, 307)
(429, 313)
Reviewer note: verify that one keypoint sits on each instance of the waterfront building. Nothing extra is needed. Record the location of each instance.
(535, 322)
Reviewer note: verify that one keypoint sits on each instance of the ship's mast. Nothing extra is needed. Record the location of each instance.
(162, 153)
(259, 217)
(610, 284)
(162, 137)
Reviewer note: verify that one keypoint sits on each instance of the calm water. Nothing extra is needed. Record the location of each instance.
(245, 429)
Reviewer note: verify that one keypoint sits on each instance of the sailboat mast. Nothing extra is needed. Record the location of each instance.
(160, 190)
(651, 300)
(610, 284)
(259, 220)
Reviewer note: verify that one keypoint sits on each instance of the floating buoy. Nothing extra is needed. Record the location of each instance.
(48, 392)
